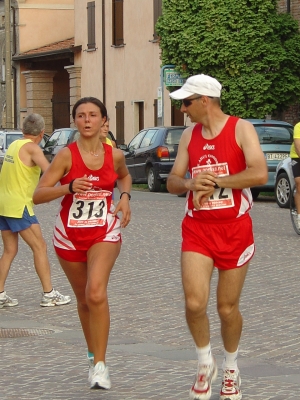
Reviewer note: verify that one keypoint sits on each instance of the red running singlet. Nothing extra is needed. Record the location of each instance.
(85, 219)
(223, 156)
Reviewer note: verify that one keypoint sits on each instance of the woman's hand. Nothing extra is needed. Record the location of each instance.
(124, 207)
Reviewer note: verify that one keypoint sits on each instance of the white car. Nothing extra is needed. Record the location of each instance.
(284, 183)
(6, 138)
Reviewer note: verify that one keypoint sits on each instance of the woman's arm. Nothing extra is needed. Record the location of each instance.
(124, 184)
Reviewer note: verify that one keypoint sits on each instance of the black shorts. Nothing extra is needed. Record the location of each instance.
(296, 167)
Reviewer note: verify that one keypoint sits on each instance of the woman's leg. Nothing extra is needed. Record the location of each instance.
(76, 272)
(101, 259)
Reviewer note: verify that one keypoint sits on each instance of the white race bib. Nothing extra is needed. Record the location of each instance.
(222, 197)
(88, 209)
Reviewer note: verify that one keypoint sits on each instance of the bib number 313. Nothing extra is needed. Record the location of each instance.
(88, 209)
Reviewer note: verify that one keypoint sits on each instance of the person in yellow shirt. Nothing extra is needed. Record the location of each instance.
(104, 134)
(22, 166)
(295, 162)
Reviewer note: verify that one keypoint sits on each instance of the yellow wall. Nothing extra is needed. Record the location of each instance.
(132, 71)
(42, 22)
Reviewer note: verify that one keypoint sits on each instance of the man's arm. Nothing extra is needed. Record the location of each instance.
(38, 157)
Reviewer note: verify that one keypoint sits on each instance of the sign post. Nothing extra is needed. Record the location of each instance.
(168, 77)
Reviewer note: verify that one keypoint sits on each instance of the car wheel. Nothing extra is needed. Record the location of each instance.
(255, 193)
(283, 190)
(153, 182)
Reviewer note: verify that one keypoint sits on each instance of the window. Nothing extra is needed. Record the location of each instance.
(134, 144)
(117, 23)
(149, 138)
(91, 25)
(157, 11)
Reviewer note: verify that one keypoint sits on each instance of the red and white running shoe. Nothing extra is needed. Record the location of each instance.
(206, 374)
(231, 383)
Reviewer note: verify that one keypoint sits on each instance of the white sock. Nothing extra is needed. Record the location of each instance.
(230, 360)
(204, 355)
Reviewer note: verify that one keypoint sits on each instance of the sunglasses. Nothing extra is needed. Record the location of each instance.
(188, 102)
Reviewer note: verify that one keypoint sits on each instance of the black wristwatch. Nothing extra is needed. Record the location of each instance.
(128, 194)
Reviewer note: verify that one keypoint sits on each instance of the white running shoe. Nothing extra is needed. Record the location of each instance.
(91, 367)
(100, 378)
(54, 298)
(206, 374)
(6, 301)
(231, 382)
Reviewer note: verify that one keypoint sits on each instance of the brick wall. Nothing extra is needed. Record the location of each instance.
(293, 114)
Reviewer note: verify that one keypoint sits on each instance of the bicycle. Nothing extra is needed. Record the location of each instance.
(294, 213)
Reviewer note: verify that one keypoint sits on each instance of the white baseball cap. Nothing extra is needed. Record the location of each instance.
(198, 84)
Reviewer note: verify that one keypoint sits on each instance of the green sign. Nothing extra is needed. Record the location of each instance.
(173, 78)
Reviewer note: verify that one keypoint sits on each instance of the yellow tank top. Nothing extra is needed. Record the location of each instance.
(17, 182)
(293, 153)
(108, 141)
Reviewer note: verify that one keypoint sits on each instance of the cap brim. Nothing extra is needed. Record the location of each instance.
(180, 94)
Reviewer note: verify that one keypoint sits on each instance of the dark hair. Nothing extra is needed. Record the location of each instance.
(93, 100)
(33, 124)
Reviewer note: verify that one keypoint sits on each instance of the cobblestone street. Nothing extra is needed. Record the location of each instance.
(151, 353)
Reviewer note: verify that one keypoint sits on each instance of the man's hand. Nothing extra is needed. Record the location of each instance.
(201, 196)
(203, 181)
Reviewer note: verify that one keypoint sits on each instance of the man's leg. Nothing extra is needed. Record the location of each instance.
(10, 249)
(297, 194)
(196, 276)
(229, 290)
(33, 237)
(196, 272)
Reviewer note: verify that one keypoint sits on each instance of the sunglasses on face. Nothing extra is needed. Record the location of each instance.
(188, 102)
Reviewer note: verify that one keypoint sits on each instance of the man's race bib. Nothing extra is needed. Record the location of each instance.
(222, 197)
(88, 209)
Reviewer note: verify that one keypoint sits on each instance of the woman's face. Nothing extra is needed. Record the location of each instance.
(104, 130)
(88, 119)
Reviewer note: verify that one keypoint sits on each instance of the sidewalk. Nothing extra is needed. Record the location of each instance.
(151, 354)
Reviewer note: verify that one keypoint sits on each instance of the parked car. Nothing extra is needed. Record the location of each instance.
(151, 154)
(284, 183)
(275, 138)
(6, 138)
(60, 138)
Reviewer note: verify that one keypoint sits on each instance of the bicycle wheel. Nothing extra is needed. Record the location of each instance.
(294, 214)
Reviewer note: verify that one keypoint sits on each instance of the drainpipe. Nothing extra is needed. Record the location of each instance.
(8, 88)
(103, 54)
(162, 70)
(288, 6)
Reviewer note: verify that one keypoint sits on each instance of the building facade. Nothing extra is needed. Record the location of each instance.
(64, 50)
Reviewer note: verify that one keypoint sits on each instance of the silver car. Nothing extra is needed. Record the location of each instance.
(6, 138)
(284, 183)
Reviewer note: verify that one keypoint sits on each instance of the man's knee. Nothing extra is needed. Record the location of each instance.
(227, 311)
(195, 305)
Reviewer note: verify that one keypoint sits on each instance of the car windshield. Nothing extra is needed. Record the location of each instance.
(274, 134)
(173, 136)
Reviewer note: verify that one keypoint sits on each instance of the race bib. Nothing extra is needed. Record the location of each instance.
(222, 197)
(88, 209)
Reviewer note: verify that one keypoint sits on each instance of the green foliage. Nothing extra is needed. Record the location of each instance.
(247, 45)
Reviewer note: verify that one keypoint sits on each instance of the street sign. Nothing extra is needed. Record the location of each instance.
(173, 78)
(159, 102)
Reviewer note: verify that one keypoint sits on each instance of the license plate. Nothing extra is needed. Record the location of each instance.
(277, 156)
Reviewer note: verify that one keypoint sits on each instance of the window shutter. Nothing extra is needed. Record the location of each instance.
(120, 122)
(91, 25)
(157, 11)
(118, 34)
